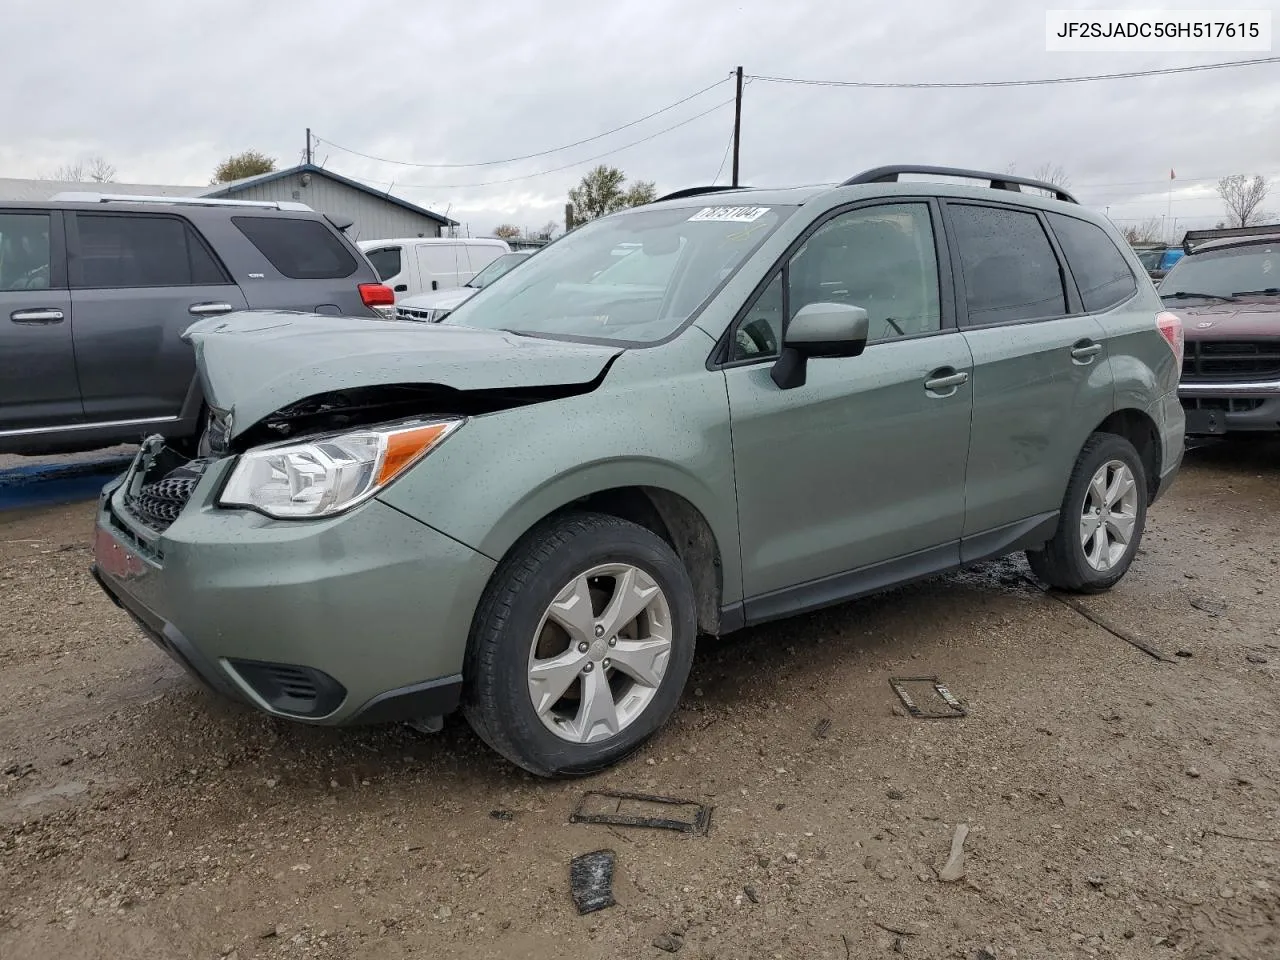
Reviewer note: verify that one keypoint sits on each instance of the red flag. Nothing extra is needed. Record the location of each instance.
(1171, 174)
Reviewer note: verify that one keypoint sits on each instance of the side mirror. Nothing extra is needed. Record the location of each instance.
(819, 330)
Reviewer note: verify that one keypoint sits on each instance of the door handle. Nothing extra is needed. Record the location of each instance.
(940, 380)
(1085, 351)
(207, 309)
(41, 315)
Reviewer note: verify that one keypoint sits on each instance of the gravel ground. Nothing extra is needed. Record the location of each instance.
(1118, 805)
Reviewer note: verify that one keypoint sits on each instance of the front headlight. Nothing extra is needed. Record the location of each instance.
(328, 474)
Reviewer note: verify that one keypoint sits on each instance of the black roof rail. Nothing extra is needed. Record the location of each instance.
(695, 191)
(997, 181)
(1194, 238)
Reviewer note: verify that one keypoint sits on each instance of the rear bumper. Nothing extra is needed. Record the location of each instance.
(361, 618)
(1170, 421)
(1215, 413)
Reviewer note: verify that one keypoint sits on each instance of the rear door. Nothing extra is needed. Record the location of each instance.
(38, 386)
(1041, 381)
(442, 266)
(138, 280)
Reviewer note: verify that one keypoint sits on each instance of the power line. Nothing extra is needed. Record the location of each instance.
(723, 160)
(529, 156)
(879, 85)
(575, 163)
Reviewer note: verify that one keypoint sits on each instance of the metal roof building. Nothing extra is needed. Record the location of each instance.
(376, 215)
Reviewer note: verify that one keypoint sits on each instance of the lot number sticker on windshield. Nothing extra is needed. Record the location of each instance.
(728, 214)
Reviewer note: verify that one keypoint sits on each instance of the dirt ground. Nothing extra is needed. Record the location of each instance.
(1119, 805)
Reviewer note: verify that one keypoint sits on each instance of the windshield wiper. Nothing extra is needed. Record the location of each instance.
(1181, 294)
(1273, 291)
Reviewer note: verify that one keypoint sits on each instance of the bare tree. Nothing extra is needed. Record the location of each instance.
(93, 169)
(506, 231)
(1148, 231)
(1052, 173)
(547, 230)
(1243, 198)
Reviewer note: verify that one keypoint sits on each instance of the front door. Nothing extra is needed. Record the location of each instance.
(865, 462)
(38, 387)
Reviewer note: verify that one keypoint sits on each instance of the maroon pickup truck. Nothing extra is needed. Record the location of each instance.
(1227, 291)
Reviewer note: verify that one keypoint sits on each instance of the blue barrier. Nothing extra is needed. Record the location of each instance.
(42, 484)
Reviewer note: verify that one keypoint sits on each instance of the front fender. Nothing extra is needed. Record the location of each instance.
(646, 426)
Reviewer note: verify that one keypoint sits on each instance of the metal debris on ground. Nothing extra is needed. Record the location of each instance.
(822, 729)
(642, 810)
(953, 869)
(591, 881)
(954, 708)
(1120, 634)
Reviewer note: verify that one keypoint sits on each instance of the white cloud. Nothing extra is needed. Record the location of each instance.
(164, 91)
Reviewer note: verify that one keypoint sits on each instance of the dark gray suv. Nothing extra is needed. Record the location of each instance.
(96, 291)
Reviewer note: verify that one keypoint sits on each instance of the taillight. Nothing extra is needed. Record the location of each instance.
(377, 295)
(1170, 325)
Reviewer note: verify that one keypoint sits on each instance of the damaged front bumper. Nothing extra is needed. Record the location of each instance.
(357, 618)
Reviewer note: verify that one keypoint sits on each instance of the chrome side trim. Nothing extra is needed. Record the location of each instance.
(100, 425)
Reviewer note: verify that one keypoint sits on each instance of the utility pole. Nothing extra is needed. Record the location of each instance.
(737, 125)
(308, 146)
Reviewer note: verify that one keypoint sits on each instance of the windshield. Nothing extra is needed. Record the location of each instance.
(1221, 273)
(634, 277)
(1150, 258)
(496, 269)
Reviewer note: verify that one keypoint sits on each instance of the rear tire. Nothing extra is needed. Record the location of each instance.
(1101, 522)
(581, 645)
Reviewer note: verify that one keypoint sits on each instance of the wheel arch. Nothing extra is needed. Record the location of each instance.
(1140, 429)
(675, 509)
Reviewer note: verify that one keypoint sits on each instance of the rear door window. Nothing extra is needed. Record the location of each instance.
(125, 250)
(299, 249)
(385, 260)
(1102, 274)
(25, 262)
(1010, 270)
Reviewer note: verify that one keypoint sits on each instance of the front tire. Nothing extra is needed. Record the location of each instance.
(1102, 519)
(581, 645)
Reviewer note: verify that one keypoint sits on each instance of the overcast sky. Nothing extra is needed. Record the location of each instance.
(164, 90)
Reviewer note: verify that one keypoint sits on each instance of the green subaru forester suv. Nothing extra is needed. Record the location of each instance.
(719, 409)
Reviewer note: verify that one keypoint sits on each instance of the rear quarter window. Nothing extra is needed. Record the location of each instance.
(299, 249)
(1101, 271)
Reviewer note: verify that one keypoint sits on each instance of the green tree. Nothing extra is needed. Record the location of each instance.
(251, 163)
(604, 190)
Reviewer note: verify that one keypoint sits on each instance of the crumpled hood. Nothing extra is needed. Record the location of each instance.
(439, 300)
(1228, 321)
(253, 363)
